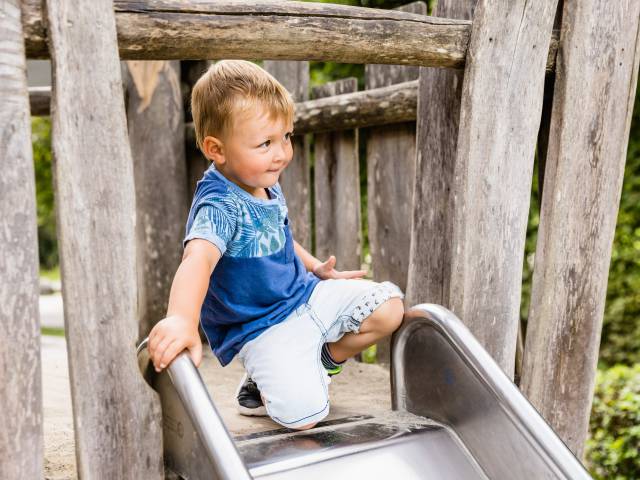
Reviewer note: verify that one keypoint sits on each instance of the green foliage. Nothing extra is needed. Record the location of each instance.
(613, 449)
(52, 331)
(621, 330)
(41, 142)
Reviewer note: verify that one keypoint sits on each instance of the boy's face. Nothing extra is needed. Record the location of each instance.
(256, 151)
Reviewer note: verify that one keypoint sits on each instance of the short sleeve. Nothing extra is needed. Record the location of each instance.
(278, 190)
(215, 222)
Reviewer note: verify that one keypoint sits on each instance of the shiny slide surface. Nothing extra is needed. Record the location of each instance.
(457, 416)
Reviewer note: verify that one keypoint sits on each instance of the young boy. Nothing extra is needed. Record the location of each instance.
(292, 319)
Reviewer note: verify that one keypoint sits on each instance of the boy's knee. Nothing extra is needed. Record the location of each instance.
(303, 407)
(306, 427)
(388, 316)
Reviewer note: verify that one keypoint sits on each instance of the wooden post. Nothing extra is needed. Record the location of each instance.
(21, 446)
(499, 121)
(391, 158)
(116, 415)
(295, 180)
(337, 188)
(156, 134)
(438, 116)
(197, 163)
(592, 105)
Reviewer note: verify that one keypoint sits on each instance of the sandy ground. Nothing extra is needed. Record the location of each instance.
(59, 455)
(359, 389)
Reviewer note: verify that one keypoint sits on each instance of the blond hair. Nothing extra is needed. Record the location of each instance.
(232, 87)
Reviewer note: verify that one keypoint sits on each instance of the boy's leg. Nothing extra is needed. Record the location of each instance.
(384, 320)
(284, 362)
(355, 314)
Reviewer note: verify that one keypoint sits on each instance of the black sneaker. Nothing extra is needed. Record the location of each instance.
(249, 399)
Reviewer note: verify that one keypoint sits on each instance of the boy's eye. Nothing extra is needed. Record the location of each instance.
(287, 137)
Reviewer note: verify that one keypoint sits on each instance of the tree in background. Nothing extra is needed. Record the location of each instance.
(47, 241)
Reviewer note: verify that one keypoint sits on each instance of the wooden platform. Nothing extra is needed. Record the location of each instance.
(361, 389)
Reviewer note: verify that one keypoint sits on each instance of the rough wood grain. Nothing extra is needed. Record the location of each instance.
(499, 120)
(592, 106)
(116, 415)
(379, 106)
(296, 180)
(541, 156)
(391, 157)
(171, 30)
(155, 122)
(21, 445)
(276, 30)
(337, 188)
(438, 101)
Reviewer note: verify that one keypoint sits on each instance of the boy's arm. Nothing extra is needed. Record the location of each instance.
(310, 262)
(179, 330)
(324, 270)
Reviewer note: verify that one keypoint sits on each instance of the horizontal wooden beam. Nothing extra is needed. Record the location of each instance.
(379, 106)
(275, 30)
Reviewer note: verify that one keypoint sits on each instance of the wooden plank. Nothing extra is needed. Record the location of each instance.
(116, 415)
(499, 121)
(276, 30)
(379, 106)
(155, 122)
(337, 188)
(541, 156)
(592, 106)
(296, 180)
(439, 94)
(21, 445)
(197, 163)
(391, 157)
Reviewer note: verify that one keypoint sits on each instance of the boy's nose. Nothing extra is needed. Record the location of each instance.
(280, 154)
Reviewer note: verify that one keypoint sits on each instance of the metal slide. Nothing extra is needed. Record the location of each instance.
(467, 421)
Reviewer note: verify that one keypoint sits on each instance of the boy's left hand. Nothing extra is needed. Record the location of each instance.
(326, 270)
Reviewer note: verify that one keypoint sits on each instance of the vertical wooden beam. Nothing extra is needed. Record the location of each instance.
(438, 116)
(190, 72)
(499, 121)
(541, 158)
(296, 179)
(155, 121)
(116, 415)
(596, 80)
(337, 188)
(391, 160)
(21, 445)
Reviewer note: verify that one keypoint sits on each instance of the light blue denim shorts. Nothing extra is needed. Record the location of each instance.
(284, 360)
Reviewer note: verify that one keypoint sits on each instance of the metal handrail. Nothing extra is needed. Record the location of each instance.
(206, 420)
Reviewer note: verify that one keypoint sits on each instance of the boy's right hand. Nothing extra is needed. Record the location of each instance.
(169, 337)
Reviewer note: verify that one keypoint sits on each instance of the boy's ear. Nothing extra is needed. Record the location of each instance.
(213, 149)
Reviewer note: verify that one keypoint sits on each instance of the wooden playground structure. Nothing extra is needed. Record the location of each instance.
(450, 159)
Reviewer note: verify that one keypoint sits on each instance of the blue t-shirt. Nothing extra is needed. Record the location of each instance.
(259, 280)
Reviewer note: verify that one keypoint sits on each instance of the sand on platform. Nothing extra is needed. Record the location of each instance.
(359, 389)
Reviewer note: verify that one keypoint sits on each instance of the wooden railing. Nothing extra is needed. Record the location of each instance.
(449, 153)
